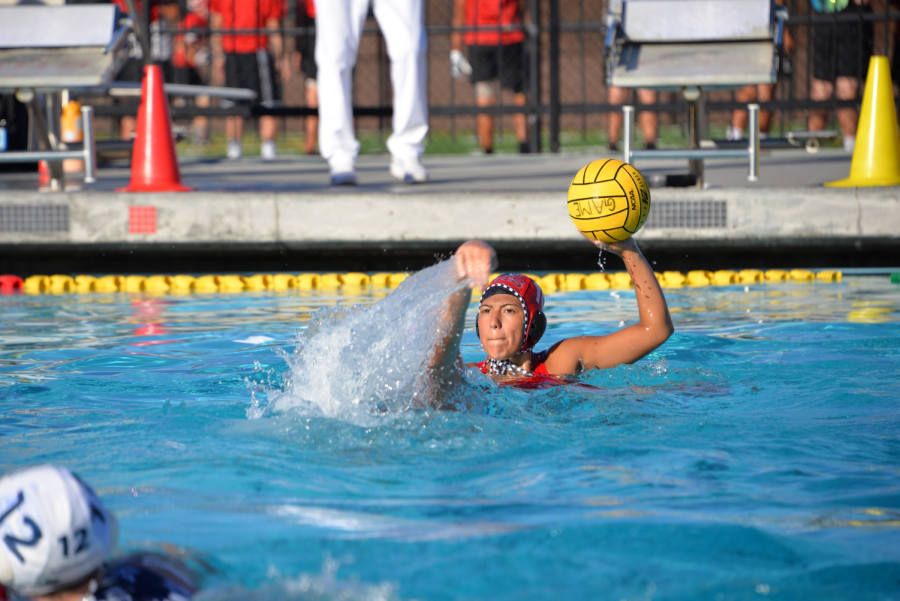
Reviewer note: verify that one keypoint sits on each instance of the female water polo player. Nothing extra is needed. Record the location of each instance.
(511, 321)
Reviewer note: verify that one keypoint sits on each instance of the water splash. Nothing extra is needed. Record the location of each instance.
(600, 262)
(360, 363)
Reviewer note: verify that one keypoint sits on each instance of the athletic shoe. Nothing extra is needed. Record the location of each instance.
(849, 144)
(268, 150)
(234, 150)
(410, 171)
(343, 178)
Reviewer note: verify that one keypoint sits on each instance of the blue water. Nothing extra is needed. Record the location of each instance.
(754, 455)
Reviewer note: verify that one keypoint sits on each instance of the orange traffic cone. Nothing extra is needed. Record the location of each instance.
(154, 164)
(876, 157)
(43, 176)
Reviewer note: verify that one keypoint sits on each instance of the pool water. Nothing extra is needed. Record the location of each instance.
(754, 455)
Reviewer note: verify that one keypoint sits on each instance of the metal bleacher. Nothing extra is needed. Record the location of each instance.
(689, 46)
(46, 49)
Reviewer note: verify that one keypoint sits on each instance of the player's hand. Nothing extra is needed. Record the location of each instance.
(475, 260)
(459, 66)
(618, 248)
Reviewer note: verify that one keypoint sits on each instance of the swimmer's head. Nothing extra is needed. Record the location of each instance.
(57, 532)
(511, 316)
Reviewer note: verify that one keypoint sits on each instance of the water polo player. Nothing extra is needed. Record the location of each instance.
(58, 538)
(511, 321)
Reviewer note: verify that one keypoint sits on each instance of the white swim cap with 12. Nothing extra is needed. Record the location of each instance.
(53, 530)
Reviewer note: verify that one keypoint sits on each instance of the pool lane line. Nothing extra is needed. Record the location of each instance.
(355, 282)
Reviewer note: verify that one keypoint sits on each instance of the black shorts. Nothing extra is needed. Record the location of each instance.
(306, 46)
(253, 71)
(308, 66)
(843, 49)
(186, 75)
(503, 62)
(132, 70)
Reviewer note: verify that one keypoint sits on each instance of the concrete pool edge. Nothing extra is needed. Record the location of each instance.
(863, 224)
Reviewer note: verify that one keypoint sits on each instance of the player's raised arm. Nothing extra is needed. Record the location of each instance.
(628, 344)
(474, 262)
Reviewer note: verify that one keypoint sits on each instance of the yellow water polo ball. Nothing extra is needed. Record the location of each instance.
(608, 200)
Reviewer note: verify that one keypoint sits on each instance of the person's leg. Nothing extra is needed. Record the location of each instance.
(846, 88)
(268, 128)
(338, 26)
(739, 117)
(765, 93)
(234, 126)
(127, 127)
(512, 69)
(484, 96)
(269, 90)
(407, 43)
(312, 123)
(824, 61)
(520, 121)
(616, 96)
(647, 119)
(854, 46)
(819, 90)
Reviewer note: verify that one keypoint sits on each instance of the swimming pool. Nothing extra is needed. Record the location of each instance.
(754, 455)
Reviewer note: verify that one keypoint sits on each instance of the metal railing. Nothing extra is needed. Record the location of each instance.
(567, 90)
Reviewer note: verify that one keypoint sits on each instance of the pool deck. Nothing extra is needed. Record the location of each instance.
(250, 215)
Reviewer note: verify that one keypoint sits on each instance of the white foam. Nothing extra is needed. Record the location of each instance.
(255, 340)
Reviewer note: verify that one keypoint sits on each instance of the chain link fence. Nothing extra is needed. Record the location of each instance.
(567, 93)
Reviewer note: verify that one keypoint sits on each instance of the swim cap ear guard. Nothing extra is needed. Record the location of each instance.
(532, 298)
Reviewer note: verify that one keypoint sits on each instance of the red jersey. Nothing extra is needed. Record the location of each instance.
(123, 8)
(190, 21)
(494, 14)
(246, 14)
(311, 9)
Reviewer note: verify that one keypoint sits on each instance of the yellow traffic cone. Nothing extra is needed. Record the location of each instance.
(876, 157)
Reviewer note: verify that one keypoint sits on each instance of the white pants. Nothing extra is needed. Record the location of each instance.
(339, 24)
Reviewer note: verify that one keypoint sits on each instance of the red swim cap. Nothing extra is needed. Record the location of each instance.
(532, 298)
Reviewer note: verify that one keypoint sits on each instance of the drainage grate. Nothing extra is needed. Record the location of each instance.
(688, 214)
(34, 218)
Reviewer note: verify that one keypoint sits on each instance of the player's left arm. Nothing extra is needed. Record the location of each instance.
(628, 344)
(474, 261)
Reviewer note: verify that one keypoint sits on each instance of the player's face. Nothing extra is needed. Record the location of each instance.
(501, 325)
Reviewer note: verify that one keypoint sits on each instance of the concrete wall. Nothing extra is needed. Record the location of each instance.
(754, 216)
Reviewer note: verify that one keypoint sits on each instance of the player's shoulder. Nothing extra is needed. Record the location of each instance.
(565, 357)
(146, 577)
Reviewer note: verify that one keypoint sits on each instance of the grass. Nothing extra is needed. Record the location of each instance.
(464, 142)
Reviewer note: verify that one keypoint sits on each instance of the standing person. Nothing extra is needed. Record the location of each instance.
(305, 62)
(248, 60)
(58, 539)
(339, 24)
(190, 56)
(647, 120)
(133, 69)
(497, 51)
(763, 92)
(841, 52)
